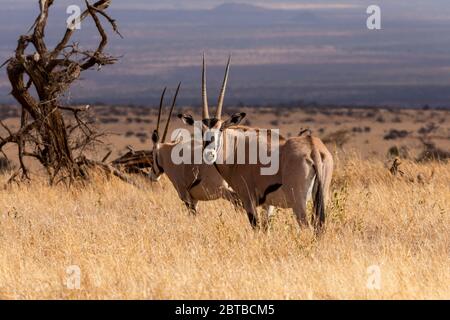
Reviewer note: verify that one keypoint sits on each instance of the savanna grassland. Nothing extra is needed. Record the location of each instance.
(387, 231)
(140, 243)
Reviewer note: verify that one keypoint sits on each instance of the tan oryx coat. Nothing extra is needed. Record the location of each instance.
(305, 167)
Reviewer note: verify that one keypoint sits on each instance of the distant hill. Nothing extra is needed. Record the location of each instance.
(247, 13)
(235, 7)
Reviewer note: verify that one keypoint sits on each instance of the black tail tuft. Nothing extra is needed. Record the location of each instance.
(319, 204)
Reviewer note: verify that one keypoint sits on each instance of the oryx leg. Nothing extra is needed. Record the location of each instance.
(270, 211)
(252, 219)
(250, 208)
(300, 209)
(298, 184)
(190, 202)
(233, 197)
(267, 216)
(191, 206)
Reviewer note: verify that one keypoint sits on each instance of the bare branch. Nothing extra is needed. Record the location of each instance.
(13, 138)
(5, 127)
(106, 156)
(5, 63)
(100, 5)
(96, 58)
(40, 24)
(110, 20)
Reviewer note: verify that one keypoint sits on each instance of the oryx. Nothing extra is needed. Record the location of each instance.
(304, 164)
(193, 182)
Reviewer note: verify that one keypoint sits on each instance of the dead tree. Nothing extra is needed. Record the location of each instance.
(55, 135)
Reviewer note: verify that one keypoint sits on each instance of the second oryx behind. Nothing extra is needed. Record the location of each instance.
(193, 182)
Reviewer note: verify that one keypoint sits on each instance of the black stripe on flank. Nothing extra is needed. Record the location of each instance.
(217, 168)
(268, 191)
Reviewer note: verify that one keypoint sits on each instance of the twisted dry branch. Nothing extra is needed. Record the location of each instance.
(44, 133)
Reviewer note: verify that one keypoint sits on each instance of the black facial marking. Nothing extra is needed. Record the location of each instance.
(210, 123)
(161, 169)
(187, 119)
(208, 142)
(155, 136)
(269, 190)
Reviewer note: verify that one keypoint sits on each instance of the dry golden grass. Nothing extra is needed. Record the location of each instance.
(142, 244)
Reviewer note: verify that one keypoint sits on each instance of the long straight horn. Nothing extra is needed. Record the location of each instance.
(170, 113)
(205, 113)
(160, 109)
(224, 89)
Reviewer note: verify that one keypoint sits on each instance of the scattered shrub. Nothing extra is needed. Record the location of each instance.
(5, 165)
(142, 136)
(397, 119)
(339, 138)
(432, 153)
(381, 119)
(401, 152)
(109, 120)
(275, 123)
(396, 134)
(429, 128)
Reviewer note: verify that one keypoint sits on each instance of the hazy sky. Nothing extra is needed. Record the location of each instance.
(413, 9)
(425, 7)
(314, 50)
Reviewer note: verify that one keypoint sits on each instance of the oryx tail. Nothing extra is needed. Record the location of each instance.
(318, 195)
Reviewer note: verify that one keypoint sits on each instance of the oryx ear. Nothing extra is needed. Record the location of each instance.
(234, 120)
(155, 136)
(187, 119)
